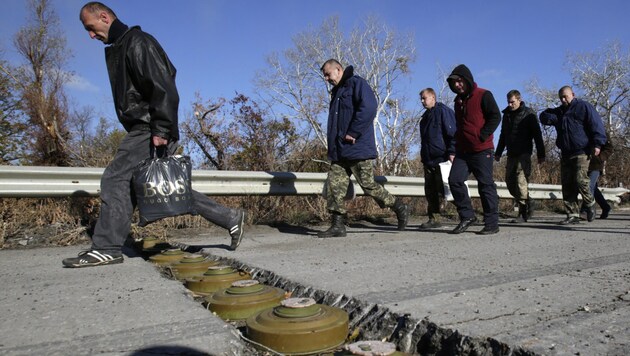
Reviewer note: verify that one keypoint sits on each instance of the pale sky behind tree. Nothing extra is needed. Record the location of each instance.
(219, 45)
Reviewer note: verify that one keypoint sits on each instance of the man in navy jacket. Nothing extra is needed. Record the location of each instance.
(352, 146)
(437, 135)
(580, 136)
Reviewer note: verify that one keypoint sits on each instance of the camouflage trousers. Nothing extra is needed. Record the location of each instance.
(517, 172)
(574, 175)
(339, 178)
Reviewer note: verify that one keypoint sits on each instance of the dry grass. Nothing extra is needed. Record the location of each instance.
(26, 222)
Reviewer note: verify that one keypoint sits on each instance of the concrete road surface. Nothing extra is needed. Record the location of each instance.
(534, 288)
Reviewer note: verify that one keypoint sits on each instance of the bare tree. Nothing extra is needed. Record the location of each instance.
(40, 81)
(604, 78)
(203, 133)
(92, 146)
(294, 82)
(444, 93)
(12, 124)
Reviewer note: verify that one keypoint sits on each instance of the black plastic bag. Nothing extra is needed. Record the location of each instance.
(163, 188)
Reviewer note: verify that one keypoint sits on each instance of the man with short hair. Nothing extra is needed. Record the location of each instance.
(352, 146)
(477, 116)
(580, 136)
(437, 139)
(595, 171)
(519, 127)
(142, 79)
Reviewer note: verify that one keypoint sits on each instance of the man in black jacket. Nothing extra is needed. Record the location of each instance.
(146, 100)
(519, 127)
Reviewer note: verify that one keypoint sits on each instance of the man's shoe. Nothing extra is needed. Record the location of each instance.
(463, 225)
(402, 214)
(337, 228)
(487, 230)
(431, 224)
(92, 258)
(236, 231)
(605, 212)
(531, 206)
(570, 220)
(523, 214)
(590, 213)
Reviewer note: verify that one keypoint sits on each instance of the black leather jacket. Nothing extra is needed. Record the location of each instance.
(518, 129)
(143, 84)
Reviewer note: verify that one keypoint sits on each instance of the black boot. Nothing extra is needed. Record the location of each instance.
(337, 229)
(524, 211)
(522, 214)
(402, 213)
(531, 206)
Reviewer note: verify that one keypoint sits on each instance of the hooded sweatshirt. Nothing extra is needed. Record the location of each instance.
(476, 113)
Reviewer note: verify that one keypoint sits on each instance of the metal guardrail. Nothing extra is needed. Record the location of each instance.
(42, 182)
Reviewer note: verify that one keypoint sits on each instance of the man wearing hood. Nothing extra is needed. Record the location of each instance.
(352, 146)
(519, 128)
(477, 116)
(146, 100)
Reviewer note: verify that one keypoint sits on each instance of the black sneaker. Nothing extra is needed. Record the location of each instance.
(236, 231)
(531, 206)
(488, 230)
(463, 225)
(431, 224)
(590, 213)
(570, 220)
(92, 258)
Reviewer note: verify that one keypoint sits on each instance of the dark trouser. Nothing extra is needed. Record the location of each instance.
(339, 178)
(118, 199)
(597, 194)
(433, 190)
(480, 165)
(574, 176)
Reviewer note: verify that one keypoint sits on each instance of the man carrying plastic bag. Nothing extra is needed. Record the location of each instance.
(146, 102)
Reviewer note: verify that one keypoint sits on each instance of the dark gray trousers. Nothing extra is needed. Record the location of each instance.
(118, 199)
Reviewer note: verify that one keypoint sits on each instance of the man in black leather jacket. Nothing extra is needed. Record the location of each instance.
(146, 100)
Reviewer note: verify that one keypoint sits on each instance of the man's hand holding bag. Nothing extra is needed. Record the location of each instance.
(163, 188)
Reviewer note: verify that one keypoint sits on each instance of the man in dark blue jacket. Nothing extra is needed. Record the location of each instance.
(146, 100)
(437, 138)
(580, 136)
(352, 146)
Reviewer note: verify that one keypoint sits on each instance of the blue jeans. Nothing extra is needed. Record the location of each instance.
(480, 164)
(597, 194)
